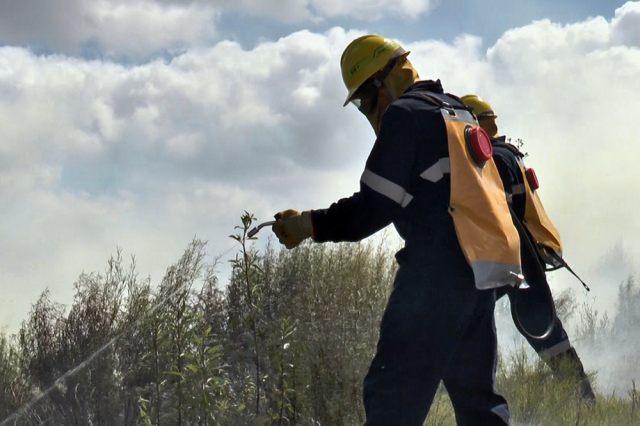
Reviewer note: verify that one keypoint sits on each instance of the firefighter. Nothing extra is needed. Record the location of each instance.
(439, 320)
(556, 349)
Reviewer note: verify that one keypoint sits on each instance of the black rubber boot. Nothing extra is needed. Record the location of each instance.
(567, 365)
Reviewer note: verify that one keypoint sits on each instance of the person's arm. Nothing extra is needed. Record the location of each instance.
(383, 183)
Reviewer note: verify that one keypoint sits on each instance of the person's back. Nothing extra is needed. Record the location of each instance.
(412, 139)
(424, 221)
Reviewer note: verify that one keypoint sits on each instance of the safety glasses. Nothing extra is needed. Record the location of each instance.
(366, 97)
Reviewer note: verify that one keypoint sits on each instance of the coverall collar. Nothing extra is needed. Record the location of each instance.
(430, 85)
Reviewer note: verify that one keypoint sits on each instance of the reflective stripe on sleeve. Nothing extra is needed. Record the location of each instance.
(518, 189)
(556, 349)
(509, 198)
(490, 275)
(387, 188)
(437, 171)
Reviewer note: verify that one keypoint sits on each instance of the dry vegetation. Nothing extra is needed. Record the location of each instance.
(286, 342)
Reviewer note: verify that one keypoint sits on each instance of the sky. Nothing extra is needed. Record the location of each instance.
(142, 124)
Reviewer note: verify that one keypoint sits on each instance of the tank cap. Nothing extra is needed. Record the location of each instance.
(533, 179)
(479, 144)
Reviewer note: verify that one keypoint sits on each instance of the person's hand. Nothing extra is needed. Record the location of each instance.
(293, 227)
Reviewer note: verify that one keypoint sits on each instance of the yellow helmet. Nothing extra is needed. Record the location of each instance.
(364, 57)
(479, 106)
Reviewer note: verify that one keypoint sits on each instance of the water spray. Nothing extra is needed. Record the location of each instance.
(20, 411)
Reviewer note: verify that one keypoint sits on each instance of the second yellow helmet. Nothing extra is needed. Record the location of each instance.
(479, 106)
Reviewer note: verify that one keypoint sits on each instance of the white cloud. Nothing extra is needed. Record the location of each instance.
(184, 145)
(146, 26)
(371, 10)
(314, 11)
(625, 25)
(131, 28)
(95, 154)
(139, 29)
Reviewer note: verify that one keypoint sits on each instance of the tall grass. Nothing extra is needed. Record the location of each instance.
(287, 341)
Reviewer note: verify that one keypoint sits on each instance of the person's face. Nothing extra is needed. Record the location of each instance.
(384, 98)
(489, 125)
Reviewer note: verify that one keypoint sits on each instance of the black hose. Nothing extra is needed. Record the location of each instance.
(538, 293)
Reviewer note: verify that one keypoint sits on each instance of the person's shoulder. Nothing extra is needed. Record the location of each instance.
(409, 114)
(501, 153)
(412, 104)
(501, 147)
(506, 157)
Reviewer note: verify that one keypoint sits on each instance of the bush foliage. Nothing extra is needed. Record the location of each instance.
(287, 341)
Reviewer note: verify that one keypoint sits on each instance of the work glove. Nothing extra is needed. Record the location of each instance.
(293, 227)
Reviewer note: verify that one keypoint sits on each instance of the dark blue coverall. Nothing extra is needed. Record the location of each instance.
(436, 325)
(504, 156)
(556, 347)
